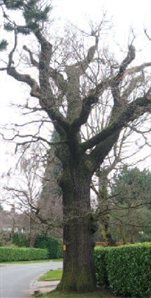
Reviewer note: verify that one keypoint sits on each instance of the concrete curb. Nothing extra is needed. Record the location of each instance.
(41, 287)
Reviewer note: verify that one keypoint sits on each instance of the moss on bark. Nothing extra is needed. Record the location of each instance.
(79, 282)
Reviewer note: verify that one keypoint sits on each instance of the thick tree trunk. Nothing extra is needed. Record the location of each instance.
(78, 268)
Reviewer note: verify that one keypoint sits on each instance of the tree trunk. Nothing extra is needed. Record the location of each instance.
(32, 230)
(78, 267)
(104, 205)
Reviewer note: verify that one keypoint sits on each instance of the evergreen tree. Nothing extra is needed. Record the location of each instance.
(131, 215)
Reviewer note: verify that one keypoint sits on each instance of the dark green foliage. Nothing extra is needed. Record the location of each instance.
(100, 264)
(35, 14)
(19, 29)
(9, 254)
(20, 240)
(131, 220)
(146, 237)
(128, 269)
(3, 44)
(53, 245)
(24, 30)
(8, 27)
(14, 4)
(132, 185)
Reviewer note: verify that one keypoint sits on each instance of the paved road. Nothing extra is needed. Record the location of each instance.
(15, 280)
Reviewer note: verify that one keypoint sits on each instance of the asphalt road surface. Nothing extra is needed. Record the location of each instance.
(16, 280)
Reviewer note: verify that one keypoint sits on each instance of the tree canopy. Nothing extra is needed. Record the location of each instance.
(130, 217)
(133, 185)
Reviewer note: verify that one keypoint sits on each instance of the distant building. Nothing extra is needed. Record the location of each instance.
(13, 222)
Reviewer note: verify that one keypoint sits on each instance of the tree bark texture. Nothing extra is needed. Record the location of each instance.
(78, 267)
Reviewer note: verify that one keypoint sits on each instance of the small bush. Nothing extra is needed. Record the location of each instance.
(126, 269)
(10, 254)
(20, 240)
(54, 246)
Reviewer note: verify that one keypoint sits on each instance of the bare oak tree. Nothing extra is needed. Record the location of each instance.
(67, 90)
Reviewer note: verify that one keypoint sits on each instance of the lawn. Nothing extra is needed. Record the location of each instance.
(51, 275)
(97, 294)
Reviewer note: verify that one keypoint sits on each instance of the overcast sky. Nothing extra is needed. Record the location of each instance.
(123, 15)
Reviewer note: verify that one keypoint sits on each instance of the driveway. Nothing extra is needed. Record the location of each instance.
(16, 280)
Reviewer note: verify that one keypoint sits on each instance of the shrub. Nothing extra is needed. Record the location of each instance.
(54, 246)
(20, 240)
(5, 238)
(126, 269)
(129, 270)
(10, 254)
(100, 265)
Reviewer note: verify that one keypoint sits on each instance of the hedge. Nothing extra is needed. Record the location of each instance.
(125, 269)
(10, 254)
(53, 245)
(100, 264)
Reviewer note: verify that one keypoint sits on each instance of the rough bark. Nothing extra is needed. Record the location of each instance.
(78, 269)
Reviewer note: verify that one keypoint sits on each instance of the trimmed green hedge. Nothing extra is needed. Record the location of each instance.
(10, 254)
(53, 245)
(100, 264)
(125, 269)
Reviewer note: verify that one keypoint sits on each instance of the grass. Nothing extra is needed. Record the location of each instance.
(56, 275)
(51, 275)
(98, 294)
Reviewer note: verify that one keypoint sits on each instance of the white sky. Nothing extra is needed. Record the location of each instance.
(130, 12)
(124, 15)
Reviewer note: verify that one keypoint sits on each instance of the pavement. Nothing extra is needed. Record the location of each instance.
(41, 287)
(15, 279)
